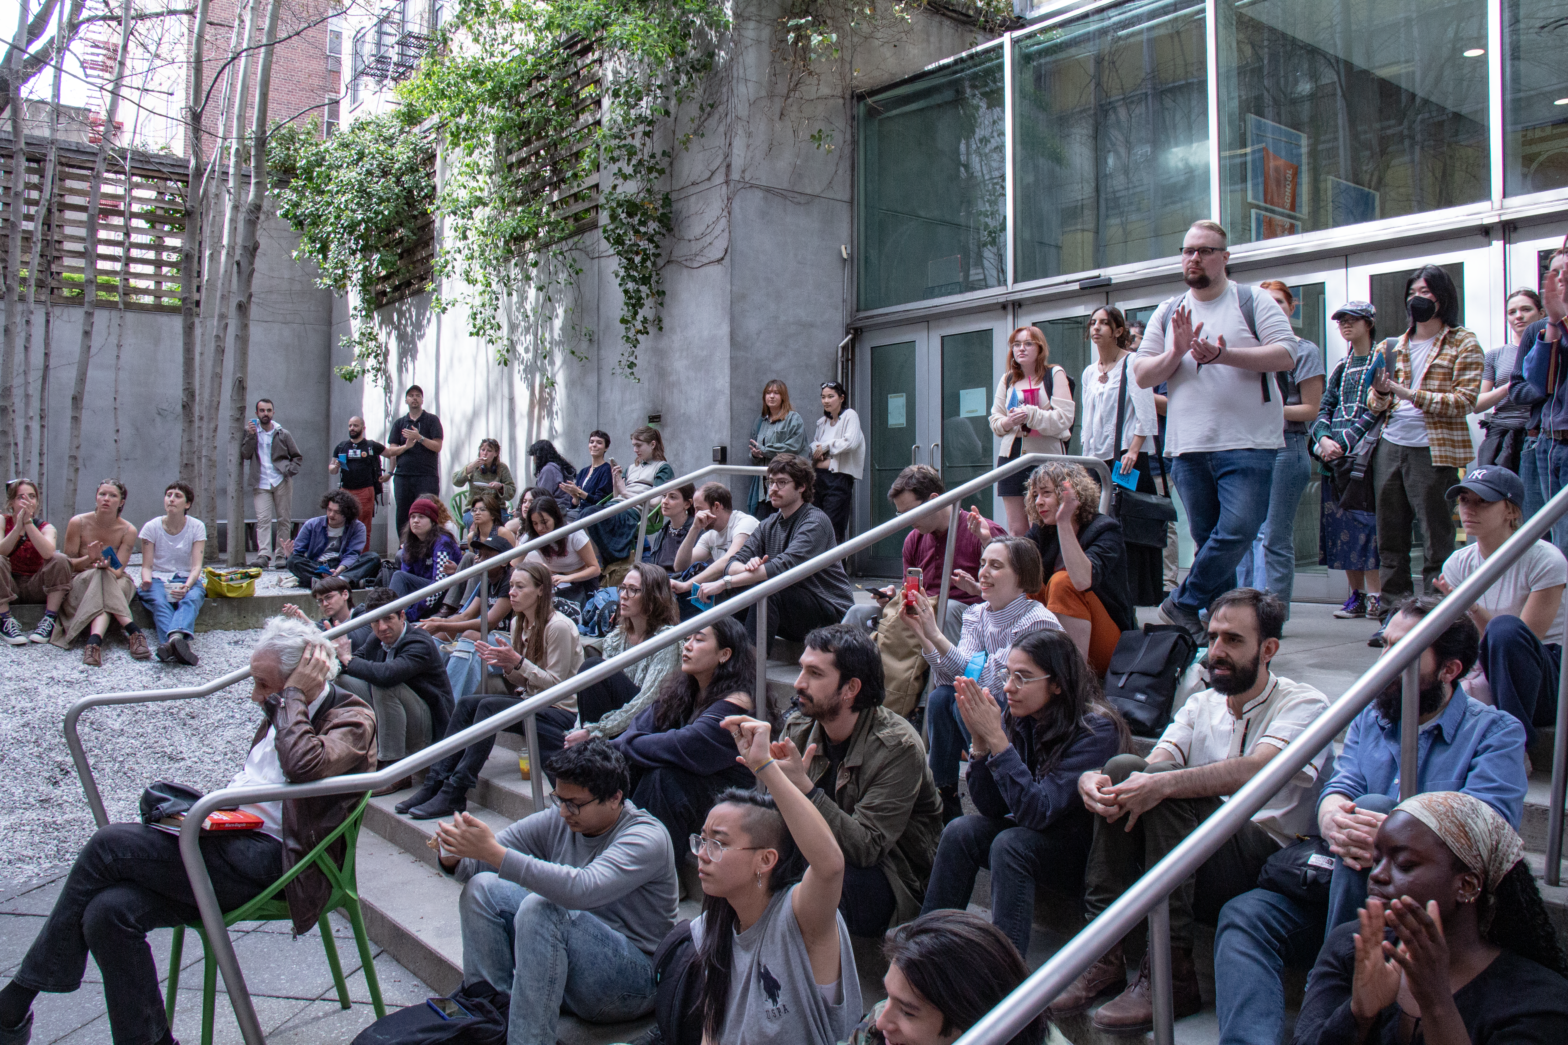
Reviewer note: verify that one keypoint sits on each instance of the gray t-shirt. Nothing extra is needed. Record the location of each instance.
(774, 998)
(1309, 363)
(624, 877)
(1498, 368)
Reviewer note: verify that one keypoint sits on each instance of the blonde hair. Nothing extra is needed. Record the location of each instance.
(1212, 226)
(1074, 475)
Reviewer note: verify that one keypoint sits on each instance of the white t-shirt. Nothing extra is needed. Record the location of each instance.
(1543, 566)
(1221, 407)
(716, 542)
(171, 552)
(571, 562)
(1099, 411)
(1407, 424)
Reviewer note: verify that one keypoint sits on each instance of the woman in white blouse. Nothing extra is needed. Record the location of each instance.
(1107, 395)
(1031, 414)
(839, 452)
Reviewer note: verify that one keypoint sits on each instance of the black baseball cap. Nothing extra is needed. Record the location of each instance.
(495, 542)
(1492, 482)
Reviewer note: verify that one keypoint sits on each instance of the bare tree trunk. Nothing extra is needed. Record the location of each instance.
(244, 284)
(220, 325)
(30, 464)
(73, 460)
(190, 248)
(63, 29)
(13, 248)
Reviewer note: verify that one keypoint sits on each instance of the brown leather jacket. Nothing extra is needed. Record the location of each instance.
(340, 739)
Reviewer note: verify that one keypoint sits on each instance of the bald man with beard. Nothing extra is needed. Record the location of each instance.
(357, 461)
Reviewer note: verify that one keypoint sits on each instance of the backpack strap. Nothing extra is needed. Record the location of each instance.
(1249, 315)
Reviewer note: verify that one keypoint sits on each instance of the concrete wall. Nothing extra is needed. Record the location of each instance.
(756, 285)
(289, 363)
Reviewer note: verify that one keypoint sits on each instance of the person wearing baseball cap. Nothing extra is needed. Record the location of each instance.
(498, 582)
(1521, 616)
(1348, 537)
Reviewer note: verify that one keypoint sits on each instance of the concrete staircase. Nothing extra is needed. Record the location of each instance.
(411, 905)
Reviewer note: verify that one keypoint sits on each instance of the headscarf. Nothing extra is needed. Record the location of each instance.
(1481, 839)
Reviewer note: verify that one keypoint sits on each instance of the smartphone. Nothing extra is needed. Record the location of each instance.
(114, 560)
(448, 1009)
(913, 585)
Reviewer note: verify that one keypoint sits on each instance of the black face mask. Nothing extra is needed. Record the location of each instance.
(1421, 309)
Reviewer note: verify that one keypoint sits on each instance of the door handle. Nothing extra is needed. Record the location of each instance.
(914, 454)
(936, 456)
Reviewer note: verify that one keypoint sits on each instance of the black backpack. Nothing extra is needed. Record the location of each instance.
(420, 1024)
(677, 978)
(1144, 673)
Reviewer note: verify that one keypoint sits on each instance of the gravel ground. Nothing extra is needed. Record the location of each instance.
(201, 742)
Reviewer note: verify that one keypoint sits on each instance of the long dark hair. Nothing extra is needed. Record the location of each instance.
(1066, 714)
(765, 827)
(963, 965)
(1519, 920)
(680, 698)
(544, 452)
(1441, 284)
(546, 504)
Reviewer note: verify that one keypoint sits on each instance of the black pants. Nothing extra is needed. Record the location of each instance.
(1501, 446)
(834, 493)
(462, 769)
(795, 612)
(598, 700)
(126, 881)
(408, 489)
(363, 567)
(681, 800)
(867, 902)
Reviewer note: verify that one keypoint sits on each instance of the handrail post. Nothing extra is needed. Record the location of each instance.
(946, 580)
(484, 608)
(535, 770)
(760, 700)
(1409, 731)
(1554, 815)
(1161, 993)
(642, 532)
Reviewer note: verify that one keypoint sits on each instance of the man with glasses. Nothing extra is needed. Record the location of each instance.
(1142, 809)
(565, 908)
(1216, 347)
(796, 532)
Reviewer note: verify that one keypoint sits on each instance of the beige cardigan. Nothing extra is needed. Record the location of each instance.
(1054, 423)
(563, 655)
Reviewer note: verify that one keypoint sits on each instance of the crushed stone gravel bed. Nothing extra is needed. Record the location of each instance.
(201, 742)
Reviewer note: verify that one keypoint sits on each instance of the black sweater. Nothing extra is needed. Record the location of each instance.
(1102, 543)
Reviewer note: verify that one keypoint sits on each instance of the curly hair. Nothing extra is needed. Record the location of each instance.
(1083, 484)
(1519, 921)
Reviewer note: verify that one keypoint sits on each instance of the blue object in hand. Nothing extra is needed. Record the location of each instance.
(1129, 478)
(975, 666)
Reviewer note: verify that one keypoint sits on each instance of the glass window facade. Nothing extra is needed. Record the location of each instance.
(933, 185)
(1111, 132)
(1331, 113)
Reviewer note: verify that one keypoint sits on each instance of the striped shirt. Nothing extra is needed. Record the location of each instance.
(993, 633)
(1450, 385)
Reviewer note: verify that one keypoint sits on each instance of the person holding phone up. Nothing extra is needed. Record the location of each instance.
(99, 544)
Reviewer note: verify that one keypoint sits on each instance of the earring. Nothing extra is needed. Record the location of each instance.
(759, 879)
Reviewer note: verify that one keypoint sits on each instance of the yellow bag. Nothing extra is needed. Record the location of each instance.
(236, 583)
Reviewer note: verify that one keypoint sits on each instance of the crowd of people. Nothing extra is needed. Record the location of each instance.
(844, 815)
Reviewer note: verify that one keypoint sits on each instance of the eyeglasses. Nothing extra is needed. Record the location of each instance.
(780, 481)
(716, 849)
(1018, 678)
(567, 806)
(1200, 252)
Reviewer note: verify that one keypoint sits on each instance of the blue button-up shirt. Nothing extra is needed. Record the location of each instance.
(1473, 747)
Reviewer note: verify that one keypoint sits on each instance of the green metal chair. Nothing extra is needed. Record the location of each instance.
(271, 906)
(458, 505)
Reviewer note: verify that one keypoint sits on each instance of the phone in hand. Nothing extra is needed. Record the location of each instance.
(914, 578)
(114, 560)
(448, 1009)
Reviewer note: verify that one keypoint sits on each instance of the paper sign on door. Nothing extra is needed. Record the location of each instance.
(895, 410)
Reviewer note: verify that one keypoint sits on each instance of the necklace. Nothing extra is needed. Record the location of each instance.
(1105, 369)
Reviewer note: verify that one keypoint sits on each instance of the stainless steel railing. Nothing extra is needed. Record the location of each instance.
(190, 835)
(1149, 896)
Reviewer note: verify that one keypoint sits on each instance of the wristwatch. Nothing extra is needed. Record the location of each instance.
(726, 582)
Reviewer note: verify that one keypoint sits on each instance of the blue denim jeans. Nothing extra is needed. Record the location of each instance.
(1530, 475)
(1347, 889)
(1226, 496)
(949, 735)
(1258, 933)
(1522, 671)
(171, 617)
(547, 955)
(1551, 461)
(1270, 564)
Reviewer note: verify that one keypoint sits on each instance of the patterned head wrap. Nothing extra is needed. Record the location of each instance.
(1481, 839)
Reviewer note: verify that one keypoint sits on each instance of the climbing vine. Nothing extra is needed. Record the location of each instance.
(361, 201)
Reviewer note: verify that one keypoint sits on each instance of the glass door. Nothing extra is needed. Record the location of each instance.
(1066, 328)
(967, 361)
(897, 384)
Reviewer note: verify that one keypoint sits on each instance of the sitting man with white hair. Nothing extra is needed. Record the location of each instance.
(129, 878)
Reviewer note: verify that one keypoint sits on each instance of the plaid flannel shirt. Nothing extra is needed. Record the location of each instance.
(1447, 395)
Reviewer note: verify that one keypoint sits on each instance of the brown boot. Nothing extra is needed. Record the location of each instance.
(1132, 1011)
(92, 656)
(1104, 977)
(138, 645)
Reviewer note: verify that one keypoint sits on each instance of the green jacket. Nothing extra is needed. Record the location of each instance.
(887, 812)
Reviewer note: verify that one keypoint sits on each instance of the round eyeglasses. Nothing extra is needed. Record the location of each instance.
(714, 848)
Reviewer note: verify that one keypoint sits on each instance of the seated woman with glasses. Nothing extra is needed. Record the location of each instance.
(680, 756)
(1024, 765)
(774, 952)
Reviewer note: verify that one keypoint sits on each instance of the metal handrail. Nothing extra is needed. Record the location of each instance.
(222, 947)
(73, 740)
(1149, 895)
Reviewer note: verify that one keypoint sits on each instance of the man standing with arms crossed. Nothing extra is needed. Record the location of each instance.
(415, 443)
(277, 462)
(357, 463)
(1216, 347)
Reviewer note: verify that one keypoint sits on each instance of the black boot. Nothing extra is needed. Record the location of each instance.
(952, 806)
(428, 790)
(451, 799)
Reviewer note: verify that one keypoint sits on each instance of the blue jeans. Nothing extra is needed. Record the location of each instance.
(1270, 564)
(949, 735)
(547, 955)
(1347, 889)
(1551, 461)
(1226, 495)
(173, 617)
(1530, 475)
(1258, 932)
